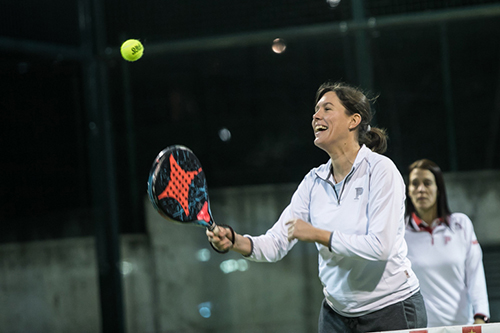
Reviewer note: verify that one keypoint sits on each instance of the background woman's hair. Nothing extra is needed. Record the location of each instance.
(442, 201)
(355, 101)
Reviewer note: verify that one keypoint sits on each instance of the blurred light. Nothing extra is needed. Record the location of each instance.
(343, 26)
(203, 255)
(126, 267)
(333, 3)
(205, 309)
(242, 265)
(231, 265)
(279, 45)
(224, 134)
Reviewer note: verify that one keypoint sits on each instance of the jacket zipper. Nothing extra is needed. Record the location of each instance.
(343, 184)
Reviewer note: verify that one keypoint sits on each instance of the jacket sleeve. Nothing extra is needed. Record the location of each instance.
(274, 244)
(474, 272)
(385, 214)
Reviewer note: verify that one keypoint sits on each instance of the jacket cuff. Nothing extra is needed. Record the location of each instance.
(485, 318)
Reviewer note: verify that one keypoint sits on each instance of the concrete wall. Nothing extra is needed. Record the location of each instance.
(172, 277)
(49, 287)
(477, 194)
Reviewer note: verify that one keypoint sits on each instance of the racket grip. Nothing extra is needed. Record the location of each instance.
(213, 228)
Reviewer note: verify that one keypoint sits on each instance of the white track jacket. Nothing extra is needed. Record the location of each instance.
(449, 265)
(365, 268)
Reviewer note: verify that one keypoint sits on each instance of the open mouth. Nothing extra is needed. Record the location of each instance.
(320, 128)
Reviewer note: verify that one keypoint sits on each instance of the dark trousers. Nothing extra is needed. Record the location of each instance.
(406, 314)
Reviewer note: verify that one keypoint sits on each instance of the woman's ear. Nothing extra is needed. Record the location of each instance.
(355, 121)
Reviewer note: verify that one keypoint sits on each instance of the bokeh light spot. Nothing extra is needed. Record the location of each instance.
(279, 45)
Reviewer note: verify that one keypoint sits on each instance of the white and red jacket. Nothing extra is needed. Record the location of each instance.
(448, 262)
(365, 268)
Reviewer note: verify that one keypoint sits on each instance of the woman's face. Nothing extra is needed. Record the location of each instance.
(423, 191)
(330, 123)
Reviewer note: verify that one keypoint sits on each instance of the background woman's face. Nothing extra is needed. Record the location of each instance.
(423, 190)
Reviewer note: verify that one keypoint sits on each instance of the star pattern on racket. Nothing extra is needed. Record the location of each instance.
(178, 187)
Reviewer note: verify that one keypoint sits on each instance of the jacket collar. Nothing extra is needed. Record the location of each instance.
(419, 224)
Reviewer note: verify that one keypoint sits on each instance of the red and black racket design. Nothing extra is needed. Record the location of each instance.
(177, 187)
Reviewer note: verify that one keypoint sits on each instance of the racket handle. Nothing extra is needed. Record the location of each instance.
(213, 228)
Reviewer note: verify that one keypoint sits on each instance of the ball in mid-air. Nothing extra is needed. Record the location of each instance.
(132, 50)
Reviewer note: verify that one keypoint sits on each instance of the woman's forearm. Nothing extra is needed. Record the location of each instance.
(242, 245)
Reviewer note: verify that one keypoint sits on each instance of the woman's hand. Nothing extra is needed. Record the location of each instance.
(479, 321)
(303, 231)
(219, 238)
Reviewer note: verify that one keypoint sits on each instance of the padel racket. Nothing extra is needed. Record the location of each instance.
(177, 188)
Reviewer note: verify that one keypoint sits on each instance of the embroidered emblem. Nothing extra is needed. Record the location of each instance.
(359, 191)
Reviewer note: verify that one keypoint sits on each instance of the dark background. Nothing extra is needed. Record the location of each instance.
(207, 66)
(80, 126)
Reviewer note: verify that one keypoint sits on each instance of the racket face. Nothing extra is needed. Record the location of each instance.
(177, 187)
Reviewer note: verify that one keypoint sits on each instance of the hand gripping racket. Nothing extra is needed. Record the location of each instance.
(177, 188)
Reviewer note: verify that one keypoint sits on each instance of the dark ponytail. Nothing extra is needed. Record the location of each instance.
(375, 139)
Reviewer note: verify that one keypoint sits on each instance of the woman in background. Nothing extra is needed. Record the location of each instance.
(444, 251)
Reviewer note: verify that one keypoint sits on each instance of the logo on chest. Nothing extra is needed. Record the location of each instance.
(359, 191)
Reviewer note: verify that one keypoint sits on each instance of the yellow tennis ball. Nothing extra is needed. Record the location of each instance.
(132, 50)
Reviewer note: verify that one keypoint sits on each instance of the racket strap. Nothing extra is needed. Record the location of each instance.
(231, 239)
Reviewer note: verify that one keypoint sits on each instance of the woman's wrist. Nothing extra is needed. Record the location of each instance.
(324, 237)
(243, 245)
